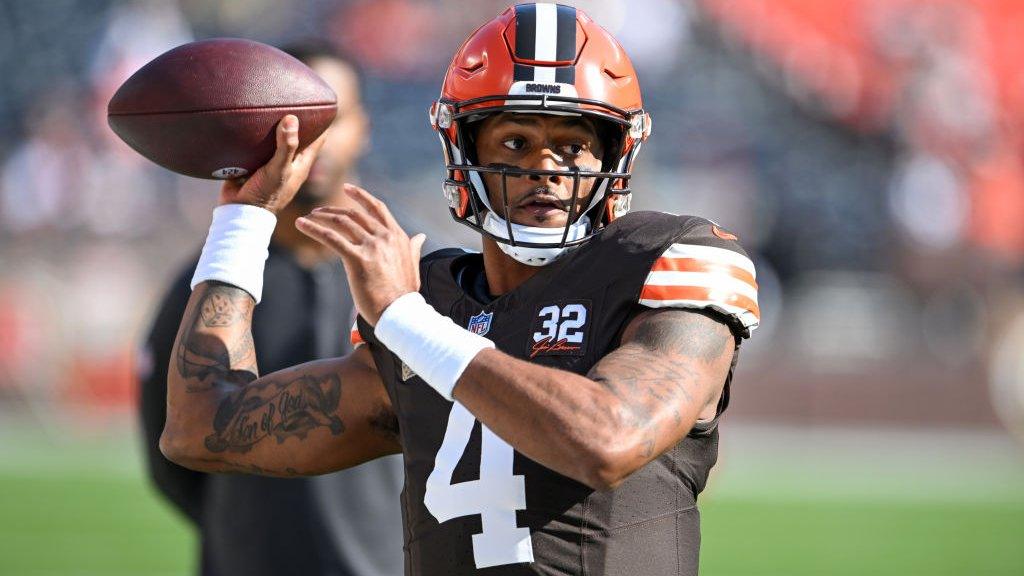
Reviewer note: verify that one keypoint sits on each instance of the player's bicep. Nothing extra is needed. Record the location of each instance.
(688, 339)
(671, 364)
(313, 418)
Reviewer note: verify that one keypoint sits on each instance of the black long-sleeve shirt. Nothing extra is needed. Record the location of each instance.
(346, 523)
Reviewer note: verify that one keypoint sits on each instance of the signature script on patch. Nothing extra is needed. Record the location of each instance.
(546, 346)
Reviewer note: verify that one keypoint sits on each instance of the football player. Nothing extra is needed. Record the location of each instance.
(556, 396)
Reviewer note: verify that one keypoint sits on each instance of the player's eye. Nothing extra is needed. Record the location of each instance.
(574, 149)
(514, 143)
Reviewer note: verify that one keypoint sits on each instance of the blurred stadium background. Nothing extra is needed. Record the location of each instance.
(867, 152)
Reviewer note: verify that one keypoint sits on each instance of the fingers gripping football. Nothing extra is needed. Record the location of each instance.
(381, 261)
(275, 183)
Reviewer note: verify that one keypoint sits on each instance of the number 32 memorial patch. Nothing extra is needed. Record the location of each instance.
(560, 329)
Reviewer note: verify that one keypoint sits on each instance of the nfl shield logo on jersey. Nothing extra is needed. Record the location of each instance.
(481, 323)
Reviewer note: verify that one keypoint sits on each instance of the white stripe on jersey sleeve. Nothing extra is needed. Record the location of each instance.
(719, 281)
(715, 281)
(711, 254)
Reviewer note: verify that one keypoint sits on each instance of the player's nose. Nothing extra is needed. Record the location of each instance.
(548, 159)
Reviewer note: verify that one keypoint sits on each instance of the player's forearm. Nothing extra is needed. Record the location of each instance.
(222, 417)
(213, 356)
(634, 404)
(570, 423)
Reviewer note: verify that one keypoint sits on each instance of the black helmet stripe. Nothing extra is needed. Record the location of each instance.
(545, 32)
(526, 73)
(566, 44)
(565, 74)
(523, 73)
(526, 31)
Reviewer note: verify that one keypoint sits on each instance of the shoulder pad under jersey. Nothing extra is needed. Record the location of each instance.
(696, 264)
(704, 266)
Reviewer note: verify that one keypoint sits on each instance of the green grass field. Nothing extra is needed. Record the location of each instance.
(84, 508)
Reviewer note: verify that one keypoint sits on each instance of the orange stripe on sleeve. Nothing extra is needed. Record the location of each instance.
(698, 293)
(666, 264)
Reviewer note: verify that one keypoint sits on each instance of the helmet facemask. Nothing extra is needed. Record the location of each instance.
(481, 83)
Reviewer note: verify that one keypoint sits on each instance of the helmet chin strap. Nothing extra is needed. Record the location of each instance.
(534, 235)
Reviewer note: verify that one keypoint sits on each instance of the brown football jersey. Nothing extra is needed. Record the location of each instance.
(472, 504)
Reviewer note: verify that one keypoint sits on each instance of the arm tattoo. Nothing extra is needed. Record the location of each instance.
(278, 408)
(642, 383)
(659, 366)
(233, 467)
(683, 333)
(225, 307)
(203, 358)
(216, 351)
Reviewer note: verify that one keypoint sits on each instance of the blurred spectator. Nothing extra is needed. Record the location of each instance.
(345, 523)
(42, 173)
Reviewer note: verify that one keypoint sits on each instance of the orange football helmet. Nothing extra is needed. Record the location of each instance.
(540, 59)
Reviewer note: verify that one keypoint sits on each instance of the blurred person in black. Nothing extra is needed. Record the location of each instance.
(346, 523)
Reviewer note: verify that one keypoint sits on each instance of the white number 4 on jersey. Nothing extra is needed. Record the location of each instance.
(495, 496)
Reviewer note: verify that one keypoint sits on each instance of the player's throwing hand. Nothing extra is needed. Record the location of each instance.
(274, 185)
(381, 261)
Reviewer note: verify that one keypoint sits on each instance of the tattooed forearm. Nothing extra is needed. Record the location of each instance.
(635, 403)
(216, 350)
(277, 408)
(216, 345)
(223, 417)
(225, 306)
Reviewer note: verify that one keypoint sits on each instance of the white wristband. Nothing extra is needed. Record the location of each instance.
(236, 247)
(430, 344)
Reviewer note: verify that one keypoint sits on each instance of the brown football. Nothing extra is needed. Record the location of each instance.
(208, 109)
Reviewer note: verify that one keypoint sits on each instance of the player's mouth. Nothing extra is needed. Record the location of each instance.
(542, 204)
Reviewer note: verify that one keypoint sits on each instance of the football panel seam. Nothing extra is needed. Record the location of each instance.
(223, 110)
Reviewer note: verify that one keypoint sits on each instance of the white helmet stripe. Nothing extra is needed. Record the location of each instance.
(546, 37)
(544, 74)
